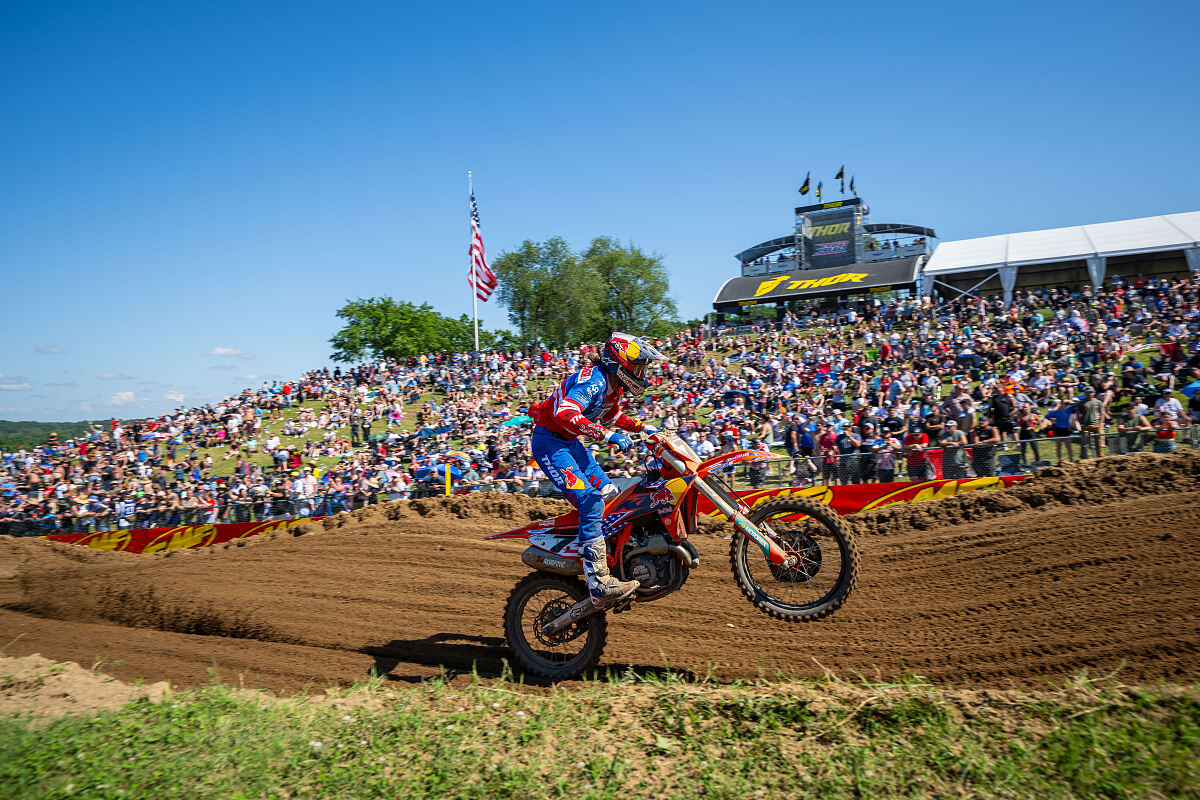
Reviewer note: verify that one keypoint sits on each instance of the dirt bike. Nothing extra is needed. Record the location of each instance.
(794, 559)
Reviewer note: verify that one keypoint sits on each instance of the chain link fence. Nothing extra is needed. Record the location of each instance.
(971, 461)
(1019, 457)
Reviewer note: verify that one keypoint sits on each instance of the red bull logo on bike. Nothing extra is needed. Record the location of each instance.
(669, 493)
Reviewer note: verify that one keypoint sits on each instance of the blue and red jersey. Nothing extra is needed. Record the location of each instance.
(583, 404)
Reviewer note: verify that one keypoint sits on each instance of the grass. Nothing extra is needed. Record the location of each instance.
(631, 737)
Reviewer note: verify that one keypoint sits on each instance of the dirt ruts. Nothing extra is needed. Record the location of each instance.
(1094, 565)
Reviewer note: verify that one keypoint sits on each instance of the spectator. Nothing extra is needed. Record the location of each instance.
(1132, 426)
(915, 443)
(1058, 424)
(954, 457)
(792, 379)
(1090, 413)
(1028, 428)
(983, 448)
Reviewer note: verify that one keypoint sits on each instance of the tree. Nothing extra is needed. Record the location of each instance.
(498, 340)
(550, 296)
(520, 277)
(637, 289)
(381, 327)
(561, 298)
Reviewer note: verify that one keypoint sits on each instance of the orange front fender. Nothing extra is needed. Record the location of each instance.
(730, 459)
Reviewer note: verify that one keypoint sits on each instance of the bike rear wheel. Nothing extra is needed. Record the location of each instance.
(825, 574)
(537, 599)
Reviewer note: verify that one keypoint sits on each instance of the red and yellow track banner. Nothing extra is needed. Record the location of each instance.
(850, 499)
(181, 537)
(858, 497)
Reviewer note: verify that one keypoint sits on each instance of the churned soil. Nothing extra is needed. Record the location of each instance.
(44, 689)
(1092, 566)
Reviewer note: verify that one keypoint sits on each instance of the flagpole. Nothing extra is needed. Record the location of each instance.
(471, 263)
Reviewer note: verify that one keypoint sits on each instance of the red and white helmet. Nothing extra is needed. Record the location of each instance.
(627, 356)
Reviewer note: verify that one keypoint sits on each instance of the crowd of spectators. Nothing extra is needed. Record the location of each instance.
(906, 389)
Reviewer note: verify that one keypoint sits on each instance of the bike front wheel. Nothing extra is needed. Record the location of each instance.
(826, 570)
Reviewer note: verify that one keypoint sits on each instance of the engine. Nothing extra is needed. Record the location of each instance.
(650, 560)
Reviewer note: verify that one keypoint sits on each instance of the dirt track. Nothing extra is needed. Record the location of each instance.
(1077, 568)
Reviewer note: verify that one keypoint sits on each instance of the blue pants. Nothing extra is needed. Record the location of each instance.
(573, 471)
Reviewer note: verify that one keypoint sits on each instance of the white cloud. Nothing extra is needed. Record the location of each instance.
(174, 395)
(250, 376)
(121, 398)
(13, 383)
(85, 407)
(114, 376)
(223, 366)
(231, 352)
(48, 348)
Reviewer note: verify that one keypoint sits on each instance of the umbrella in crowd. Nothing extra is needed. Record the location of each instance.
(426, 432)
(516, 421)
(437, 471)
(1191, 389)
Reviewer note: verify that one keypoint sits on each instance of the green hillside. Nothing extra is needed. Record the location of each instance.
(27, 434)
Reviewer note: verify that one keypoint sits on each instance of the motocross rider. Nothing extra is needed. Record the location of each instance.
(581, 405)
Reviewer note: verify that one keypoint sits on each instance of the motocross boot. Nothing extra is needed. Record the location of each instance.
(605, 590)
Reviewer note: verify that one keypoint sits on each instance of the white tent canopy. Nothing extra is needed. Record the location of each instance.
(1092, 243)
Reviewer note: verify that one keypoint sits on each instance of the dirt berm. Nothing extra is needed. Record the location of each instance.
(1095, 565)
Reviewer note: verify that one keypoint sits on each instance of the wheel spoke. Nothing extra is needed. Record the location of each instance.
(810, 582)
(558, 649)
(539, 599)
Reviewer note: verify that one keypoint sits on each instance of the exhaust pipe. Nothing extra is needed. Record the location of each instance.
(687, 554)
(539, 558)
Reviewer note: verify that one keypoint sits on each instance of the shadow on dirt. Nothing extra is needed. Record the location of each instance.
(460, 654)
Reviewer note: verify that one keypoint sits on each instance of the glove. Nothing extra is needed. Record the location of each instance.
(619, 440)
(649, 429)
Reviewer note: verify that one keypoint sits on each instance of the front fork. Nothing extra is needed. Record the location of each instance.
(733, 512)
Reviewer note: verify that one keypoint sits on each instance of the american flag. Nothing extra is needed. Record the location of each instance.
(480, 276)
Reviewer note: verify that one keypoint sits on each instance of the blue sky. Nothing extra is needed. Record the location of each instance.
(191, 190)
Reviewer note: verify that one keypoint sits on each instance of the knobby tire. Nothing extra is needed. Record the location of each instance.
(742, 549)
(525, 653)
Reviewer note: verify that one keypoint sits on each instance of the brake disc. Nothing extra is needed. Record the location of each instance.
(807, 549)
(550, 612)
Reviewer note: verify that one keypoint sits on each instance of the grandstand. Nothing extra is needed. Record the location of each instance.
(1162, 246)
(835, 258)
